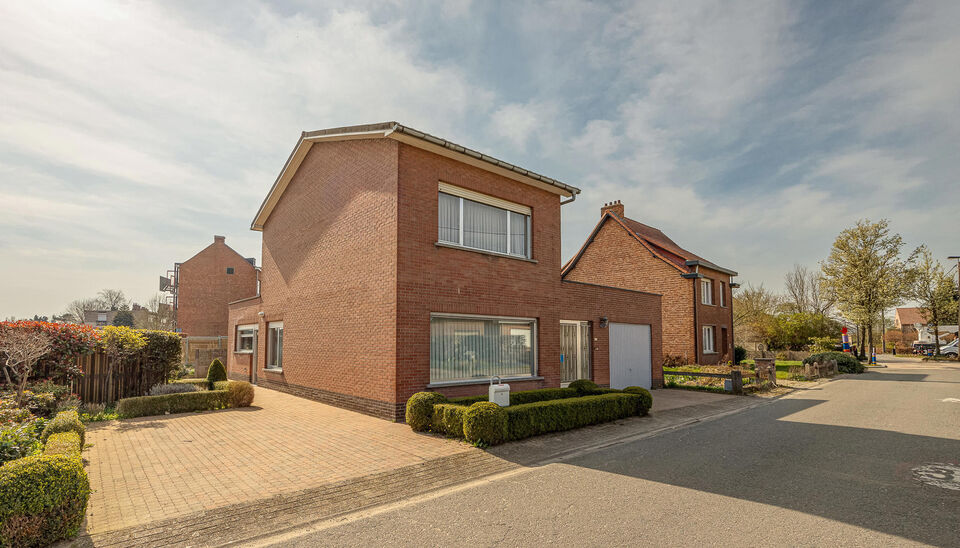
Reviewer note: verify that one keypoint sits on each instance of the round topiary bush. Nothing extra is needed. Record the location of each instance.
(646, 400)
(216, 373)
(239, 394)
(420, 409)
(585, 387)
(846, 362)
(485, 423)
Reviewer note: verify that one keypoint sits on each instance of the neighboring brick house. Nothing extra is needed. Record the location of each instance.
(907, 320)
(395, 262)
(99, 318)
(697, 312)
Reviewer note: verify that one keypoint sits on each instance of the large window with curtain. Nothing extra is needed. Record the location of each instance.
(466, 348)
(474, 224)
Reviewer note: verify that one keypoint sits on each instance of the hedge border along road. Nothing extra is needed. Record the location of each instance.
(227, 394)
(43, 498)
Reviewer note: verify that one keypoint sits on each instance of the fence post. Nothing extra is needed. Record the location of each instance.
(736, 382)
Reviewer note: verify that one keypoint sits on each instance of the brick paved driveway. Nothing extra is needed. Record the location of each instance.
(149, 469)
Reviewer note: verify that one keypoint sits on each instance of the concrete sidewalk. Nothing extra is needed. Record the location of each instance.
(260, 517)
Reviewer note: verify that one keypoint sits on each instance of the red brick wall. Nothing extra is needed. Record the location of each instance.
(718, 316)
(329, 273)
(205, 289)
(616, 258)
(434, 279)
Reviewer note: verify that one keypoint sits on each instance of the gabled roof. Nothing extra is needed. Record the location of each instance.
(909, 316)
(410, 136)
(655, 241)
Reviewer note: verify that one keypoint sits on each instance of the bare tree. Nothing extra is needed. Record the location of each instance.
(23, 348)
(76, 309)
(161, 314)
(798, 284)
(753, 310)
(112, 299)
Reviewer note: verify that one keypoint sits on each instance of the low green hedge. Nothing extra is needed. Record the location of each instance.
(524, 396)
(43, 498)
(537, 418)
(419, 413)
(145, 406)
(846, 362)
(485, 423)
(201, 384)
(65, 421)
(585, 387)
(646, 399)
(448, 419)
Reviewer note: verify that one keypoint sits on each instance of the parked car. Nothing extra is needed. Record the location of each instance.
(950, 350)
(924, 348)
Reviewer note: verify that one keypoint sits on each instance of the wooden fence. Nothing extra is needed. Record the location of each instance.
(129, 379)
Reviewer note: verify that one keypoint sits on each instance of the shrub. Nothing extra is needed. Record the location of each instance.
(10, 412)
(173, 388)
(221, 385)
(671, 361)
(532, 419)
(43, 499)
(64, 443)
(201, 384)
(420, 409)
(448, 419)
(846, 363)
(584, 387)
(64, 422)
(239, 394)
(739, 354)
(161, 354)
(523, 396)
(216, 373)
(145, 406)
(42, 404)
(485, 423)
(646, 400)
(18, 441)
(71, 401)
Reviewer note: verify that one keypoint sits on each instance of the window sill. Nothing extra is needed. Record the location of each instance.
(273, 369)
(484, 252)
(243, 351)
(709, 351)
(442, 384)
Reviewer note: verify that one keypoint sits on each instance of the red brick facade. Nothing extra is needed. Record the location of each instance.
(352, 268)
(617, 255)
(205, 288)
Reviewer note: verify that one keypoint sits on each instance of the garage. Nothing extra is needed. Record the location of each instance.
(629, 355)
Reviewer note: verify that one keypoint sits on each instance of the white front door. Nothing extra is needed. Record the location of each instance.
(630, 355)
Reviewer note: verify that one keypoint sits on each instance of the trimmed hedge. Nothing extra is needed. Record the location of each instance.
(485, 423)
(419, 413)
(846, 363)
(584, 387)
(537, 418)
(201, 384)
(239, 394)
(524, 396)
(646, 400)
(43, 498)
(145, 406)
(65, 421)
(216, 372)
(448, 419)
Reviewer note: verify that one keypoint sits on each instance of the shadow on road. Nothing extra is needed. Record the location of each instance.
(858, 476)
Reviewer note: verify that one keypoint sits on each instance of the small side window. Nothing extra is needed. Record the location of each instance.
(229, 270)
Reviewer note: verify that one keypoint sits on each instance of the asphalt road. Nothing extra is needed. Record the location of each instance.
(835, 465)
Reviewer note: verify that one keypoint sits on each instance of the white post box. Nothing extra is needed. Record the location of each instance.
(499, 392)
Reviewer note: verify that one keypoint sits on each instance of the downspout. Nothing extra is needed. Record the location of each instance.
(573, 197)
(696, 320)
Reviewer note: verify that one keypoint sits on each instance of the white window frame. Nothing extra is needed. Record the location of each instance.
(247, 327)
(723, 293)
(269, 366)
(534, 345)
(709, 339)
(463, 194)
(706, 291)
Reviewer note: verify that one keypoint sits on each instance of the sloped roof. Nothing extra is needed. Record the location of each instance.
(909, 316)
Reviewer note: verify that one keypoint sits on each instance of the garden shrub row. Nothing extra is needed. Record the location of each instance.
(201, 384)
(43, 497)
(546, 410)
(226, 394)
(846, 362)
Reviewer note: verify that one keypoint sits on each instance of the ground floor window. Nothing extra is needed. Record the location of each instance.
(478, 347)
(709, 345)
(245, 335)
(275, 345)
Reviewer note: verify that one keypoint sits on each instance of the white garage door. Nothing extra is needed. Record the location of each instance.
(629, 355)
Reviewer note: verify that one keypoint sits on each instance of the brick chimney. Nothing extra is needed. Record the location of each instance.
(613, 207)
(222, 239)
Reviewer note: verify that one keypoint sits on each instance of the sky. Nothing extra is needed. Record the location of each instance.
(752, 133)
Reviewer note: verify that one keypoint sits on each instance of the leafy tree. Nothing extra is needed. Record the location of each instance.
(866, 272)
(123, 317)
(933, 290)
(120, 343)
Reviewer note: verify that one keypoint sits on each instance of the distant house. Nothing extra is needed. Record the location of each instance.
(906, 320)
(99, 318)
(697, 312)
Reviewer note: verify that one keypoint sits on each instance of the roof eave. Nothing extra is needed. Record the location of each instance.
(711, 266)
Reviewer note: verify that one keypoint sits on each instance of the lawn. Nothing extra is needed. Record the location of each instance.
(783, 367)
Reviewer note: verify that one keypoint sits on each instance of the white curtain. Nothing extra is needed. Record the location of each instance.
(449, 215)
(484, 227)
(476, 348)
(518, 234)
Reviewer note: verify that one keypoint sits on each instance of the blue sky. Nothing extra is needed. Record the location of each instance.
(750, 132)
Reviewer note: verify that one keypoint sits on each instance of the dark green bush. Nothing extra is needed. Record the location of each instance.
(18, 440)
(846, 363)
(201, 384)
(42, 499)
(239, 394)
(523, 396)
(448, 419)
(65, 421)
(532, 419)
(216, 372)
(145, 406)
(485, 423)
(420, 409)
(739, 354)
(221, 385)
(64, 443)
(584, 387)
(646, 400)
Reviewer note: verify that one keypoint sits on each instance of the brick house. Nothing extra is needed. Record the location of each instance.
(697, 312)
(395, 261)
